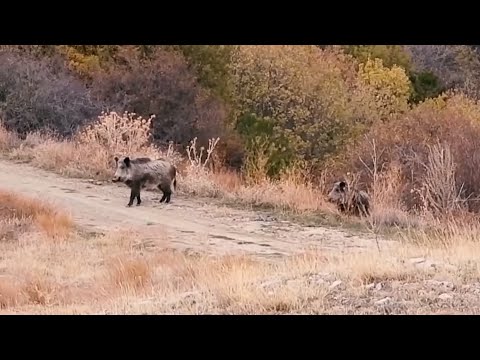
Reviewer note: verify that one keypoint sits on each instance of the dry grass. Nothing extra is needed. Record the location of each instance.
(90, 154)
(129, 273)
(175, 283)
(115, 273)
(7, 140)
(435, 145)
(9, 293)
(22, 210)
(293, 192)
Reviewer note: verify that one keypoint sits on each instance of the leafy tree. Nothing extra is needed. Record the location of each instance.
(456, 66)
(391, 86)
(165, 86)
(212, 65)
(258, 134)
(425, 85)
(390, 55)
(303, 92)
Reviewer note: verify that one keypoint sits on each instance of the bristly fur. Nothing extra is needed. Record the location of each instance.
(138, 173)
(353, 201)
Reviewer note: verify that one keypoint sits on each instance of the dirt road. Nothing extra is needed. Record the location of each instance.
(179, 224)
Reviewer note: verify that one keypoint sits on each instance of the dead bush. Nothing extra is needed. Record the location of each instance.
(452, 120)
(163, 85)
(41, 94)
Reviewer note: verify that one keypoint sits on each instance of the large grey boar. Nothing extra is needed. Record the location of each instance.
(349, 201)
(138, 173)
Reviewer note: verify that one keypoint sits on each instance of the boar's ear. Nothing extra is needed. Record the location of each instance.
(116, 159)
(342, 185)
(127, 161)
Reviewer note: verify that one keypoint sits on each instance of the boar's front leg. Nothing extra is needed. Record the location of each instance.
(134, 193)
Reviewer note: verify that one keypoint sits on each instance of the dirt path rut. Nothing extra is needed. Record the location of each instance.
(187, 223)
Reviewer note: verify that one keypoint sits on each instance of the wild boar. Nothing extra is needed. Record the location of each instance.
(138, 173)
(349, 201)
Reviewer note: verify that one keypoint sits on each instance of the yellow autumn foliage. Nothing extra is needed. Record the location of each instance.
(84, 65)
(390, 54)
(308, 93)
(391, 87)
(453, 102)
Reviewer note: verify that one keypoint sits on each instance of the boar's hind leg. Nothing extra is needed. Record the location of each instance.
(166, 193)
(363, 210)
(169, 194)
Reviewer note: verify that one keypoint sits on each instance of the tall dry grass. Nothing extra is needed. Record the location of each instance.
(22, 210)
(139, 281)
(114, 273)
(293, 191)
(90, 154)
(410, 141)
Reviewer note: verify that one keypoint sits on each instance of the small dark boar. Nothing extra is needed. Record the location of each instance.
(138, 173)
(349, 201)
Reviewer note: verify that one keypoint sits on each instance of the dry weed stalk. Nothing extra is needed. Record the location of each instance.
(439, 193)
(8, 140)
(374, 171)
(196, 158)
(321, 183)
(256, 162)
(170, 151)
(372, 221)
